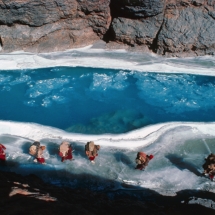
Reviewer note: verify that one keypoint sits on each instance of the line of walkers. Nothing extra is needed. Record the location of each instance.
(91, 150)
(64, 151)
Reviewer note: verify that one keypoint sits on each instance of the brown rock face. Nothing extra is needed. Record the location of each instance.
(166, 27)
(169, 27)
(51, 25)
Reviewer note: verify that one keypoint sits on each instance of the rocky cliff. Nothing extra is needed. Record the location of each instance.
(52, 25)
(165, 27)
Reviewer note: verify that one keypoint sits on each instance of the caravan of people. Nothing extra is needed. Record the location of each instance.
(91, 150)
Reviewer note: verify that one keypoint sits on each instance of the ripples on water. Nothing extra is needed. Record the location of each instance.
(96, 101)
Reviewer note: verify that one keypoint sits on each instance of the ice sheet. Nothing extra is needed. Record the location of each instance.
(114, 59)
(179, 150)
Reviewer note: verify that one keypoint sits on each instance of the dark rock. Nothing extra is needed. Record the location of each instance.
(186, 29)
(137, 8)
(140, 32)
(198, 2)
(183, 32)
(166, 27)
(36, 13)
(30, 195)
(52, 25)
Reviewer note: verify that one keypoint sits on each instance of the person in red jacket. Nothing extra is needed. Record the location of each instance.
(65, 151)
(142, 160)
(209, 167)
(39, 157)
(2, 153)
(91, 151)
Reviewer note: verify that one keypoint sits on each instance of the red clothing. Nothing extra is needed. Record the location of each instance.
(92, 158)
(2, 153)
(41, 160)
(2, 157)
(68, 155)
(211, 176)
(144, 163)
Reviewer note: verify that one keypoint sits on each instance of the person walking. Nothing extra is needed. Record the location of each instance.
(37, 151)
(91, 151)
(65, 151)
(142, 160)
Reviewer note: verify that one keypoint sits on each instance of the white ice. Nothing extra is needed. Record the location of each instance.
(179, 150)
(103, 58)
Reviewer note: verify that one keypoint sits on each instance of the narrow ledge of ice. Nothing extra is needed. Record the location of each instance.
(138, 138)
(114, 59)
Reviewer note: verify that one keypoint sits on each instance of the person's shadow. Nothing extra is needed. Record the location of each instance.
(25, 147)
(79, 150)
(181, 164)
(121, 157)
(53, 148)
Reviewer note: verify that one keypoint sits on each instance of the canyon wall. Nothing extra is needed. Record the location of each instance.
(165, 27)
(52, 25)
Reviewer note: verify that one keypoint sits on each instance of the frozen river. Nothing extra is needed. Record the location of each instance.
(125, 102)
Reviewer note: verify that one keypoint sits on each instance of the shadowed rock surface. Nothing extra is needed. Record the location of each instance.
(30, 195)
(166, 27)
(137, 8)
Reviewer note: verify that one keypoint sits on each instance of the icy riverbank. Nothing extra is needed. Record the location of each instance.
(91, 56)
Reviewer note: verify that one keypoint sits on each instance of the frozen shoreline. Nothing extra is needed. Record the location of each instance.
(110, 59)
(138, 138)
(116, 157)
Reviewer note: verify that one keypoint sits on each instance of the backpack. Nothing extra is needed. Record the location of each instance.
(33, 150)
(141, 156)
(89, 146)
(63, 149)
(209, 160)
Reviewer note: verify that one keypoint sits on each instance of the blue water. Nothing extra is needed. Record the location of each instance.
(96, 101)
